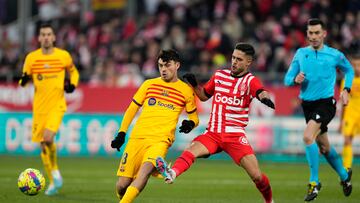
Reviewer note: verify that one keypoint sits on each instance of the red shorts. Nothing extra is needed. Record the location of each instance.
(236, 146)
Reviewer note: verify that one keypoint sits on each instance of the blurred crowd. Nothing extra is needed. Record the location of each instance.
(114, 48)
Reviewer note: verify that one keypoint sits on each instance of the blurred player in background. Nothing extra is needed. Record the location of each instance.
(162, 100)
(47, 68)
(232, 91)
(314, 69)
(350, 117)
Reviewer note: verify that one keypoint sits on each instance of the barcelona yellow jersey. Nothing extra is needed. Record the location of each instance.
(354, 101)
(162, 103)
(48, 74)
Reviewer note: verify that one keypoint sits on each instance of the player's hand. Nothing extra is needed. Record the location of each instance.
(118, 141)
(268, 102)
(24, 79)
(191, 79)
(68, 87)
(344, 97)
(186, 126)
(299, 78)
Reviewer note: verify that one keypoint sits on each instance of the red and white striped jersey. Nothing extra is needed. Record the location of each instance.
(231, 101)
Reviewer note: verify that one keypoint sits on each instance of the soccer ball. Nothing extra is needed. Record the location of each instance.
(31, 181)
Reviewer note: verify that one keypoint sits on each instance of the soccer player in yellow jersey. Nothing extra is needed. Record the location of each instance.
(46, 67)
(350, 118)
(162, 100)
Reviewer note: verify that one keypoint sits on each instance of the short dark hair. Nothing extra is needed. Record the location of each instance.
(316, 21)
(46, 25)
(248, 49)
(168, 55)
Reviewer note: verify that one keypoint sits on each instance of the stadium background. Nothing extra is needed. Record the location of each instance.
(114, 44)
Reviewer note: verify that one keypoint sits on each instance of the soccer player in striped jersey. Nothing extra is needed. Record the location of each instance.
(314, 68)
(350, 116)
(47, 67)
(162, 100)
(232, 90)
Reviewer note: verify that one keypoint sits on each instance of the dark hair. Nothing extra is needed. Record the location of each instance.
(46, 25)
(316, 21)
(248, 49)
(168, 55)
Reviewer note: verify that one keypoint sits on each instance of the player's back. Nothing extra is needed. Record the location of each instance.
(162, 104)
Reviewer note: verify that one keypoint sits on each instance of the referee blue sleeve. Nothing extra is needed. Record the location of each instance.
(346, 67)
(292, 71)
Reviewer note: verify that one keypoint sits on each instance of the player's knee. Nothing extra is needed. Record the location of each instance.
(307, 139)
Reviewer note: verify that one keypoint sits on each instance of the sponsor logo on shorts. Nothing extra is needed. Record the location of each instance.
(243, 141)
(152, 101)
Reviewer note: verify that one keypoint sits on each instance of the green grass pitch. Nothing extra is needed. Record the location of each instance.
(208, 181)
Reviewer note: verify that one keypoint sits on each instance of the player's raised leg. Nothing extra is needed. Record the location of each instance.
(184, 161)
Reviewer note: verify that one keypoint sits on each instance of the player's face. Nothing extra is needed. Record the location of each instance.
(240, 62)
(316, 35)
(356, 64)
(46, 38)
(168, 70)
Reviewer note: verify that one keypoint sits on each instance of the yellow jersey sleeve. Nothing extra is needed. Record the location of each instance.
(70, 67)
(140, 94)
(27, 65)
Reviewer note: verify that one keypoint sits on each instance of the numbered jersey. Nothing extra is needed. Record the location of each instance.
(231, 101)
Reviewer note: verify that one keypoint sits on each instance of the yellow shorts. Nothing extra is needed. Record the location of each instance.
(137, 152)
(351, 123)
(50, 121)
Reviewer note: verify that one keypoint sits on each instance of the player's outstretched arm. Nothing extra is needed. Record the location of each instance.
(264, 98)
(199, 91)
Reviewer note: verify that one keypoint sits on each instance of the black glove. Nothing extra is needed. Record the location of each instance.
(68, 87)
(191, 79)
(24, 79)
(186, 126)
(118, 141)
(268, 103)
